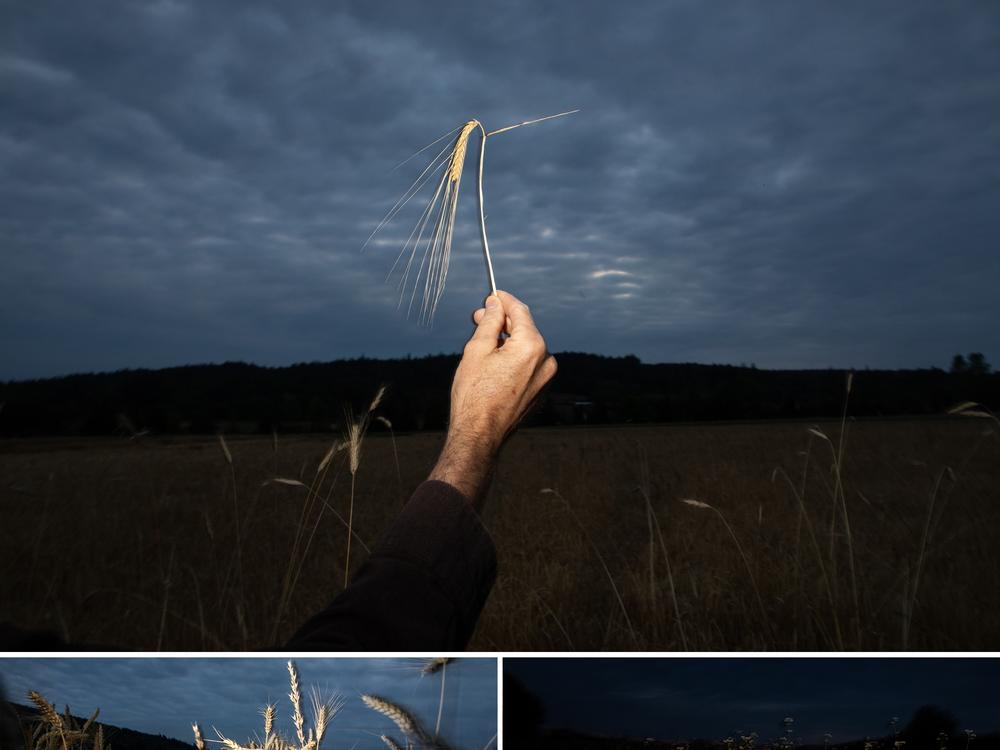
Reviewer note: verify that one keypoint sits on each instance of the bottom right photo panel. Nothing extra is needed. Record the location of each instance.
(752, 703)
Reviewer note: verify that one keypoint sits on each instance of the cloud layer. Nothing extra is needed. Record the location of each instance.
(788, 184)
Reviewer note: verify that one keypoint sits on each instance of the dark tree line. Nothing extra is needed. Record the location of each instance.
(589, 389)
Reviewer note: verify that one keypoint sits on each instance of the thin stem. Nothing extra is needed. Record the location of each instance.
(482, 215)
(600, 559)
(350, 526)
(437, 726)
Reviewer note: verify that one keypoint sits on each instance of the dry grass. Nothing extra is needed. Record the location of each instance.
(92, 527)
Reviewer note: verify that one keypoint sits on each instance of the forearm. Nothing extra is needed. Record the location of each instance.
(422, 588)
(467, 462)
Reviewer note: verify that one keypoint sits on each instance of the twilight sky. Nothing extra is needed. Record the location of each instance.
(793, 184)
(164, 696)
(701, 698)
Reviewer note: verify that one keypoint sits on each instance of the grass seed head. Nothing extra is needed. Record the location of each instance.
(46, 709)
(295, 696)
(399, 715)
(458, 154)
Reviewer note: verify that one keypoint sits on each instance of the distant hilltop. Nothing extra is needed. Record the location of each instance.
(236, 397)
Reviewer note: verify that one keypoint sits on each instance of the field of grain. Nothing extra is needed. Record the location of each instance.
(161, 543)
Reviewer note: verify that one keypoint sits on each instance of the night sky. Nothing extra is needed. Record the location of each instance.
(790, 184)
(701, 698)
(164, 696)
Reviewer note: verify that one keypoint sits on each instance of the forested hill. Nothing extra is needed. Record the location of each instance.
(117, 738)
(589, 389)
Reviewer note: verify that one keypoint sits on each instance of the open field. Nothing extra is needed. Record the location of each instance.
(145, 545)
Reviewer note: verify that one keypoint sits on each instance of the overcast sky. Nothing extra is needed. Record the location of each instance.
(786, 183)
(701, 698)
(164, 696)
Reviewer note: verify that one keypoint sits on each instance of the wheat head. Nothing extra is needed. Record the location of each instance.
(407, 724)
(46, 709)
(295, 696)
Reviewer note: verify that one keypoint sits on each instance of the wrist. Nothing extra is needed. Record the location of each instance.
(466, 463)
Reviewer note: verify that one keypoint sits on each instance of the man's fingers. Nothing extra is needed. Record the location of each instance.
(518, 315)
(490, 323)
(477, 316)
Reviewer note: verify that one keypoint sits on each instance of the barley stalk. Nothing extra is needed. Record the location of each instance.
(439, 218)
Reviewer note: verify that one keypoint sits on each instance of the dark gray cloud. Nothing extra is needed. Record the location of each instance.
(787, 183)
(164, 696)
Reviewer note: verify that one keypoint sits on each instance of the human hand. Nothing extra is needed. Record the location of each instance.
(495, 385)
(498, 381)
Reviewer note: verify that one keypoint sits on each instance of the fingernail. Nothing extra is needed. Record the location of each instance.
(491, 302)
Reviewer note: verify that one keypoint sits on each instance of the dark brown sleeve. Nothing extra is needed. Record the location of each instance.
(422, 588)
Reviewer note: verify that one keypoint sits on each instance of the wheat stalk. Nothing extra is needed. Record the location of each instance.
(439, 216)
(295, 696)
(324, 711)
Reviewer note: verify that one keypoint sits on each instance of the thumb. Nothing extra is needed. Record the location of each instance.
(492, 323)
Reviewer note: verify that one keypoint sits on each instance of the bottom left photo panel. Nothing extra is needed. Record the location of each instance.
(262, 703)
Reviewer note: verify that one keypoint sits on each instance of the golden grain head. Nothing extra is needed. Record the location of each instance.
(225, 450)
(695, 503)
(46, 709)
(295, 696)
(458, 154)
(355, 432)
(379, 395)
(399, 715)
(268, 713)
